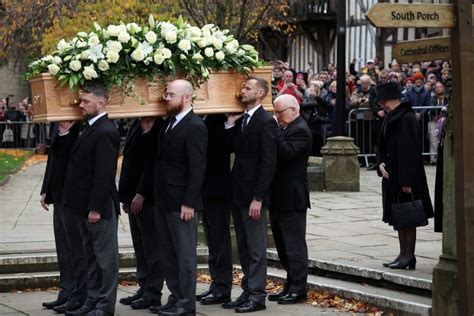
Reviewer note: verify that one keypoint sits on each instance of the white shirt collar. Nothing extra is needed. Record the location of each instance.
(252, 111)
(95, 118)
(180, 116)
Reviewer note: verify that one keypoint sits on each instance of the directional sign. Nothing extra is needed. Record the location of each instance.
(411, 15)
(422, 50)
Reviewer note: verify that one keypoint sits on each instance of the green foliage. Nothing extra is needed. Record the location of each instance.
(10, 161)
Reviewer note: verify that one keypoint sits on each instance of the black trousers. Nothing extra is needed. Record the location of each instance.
(101, 248)
(216, 223)
(289, 231)
(71, 258)
(252, 246)
(177, 240)
(144, 236)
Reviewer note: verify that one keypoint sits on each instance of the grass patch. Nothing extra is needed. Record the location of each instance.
(11, 160)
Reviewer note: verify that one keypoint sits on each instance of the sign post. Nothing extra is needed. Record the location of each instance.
(422, 50)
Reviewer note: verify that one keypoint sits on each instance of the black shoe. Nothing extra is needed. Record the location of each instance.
(129, 299)
(178, 311)
(410, 264)
(67, 307)
(387, 264)
(99, 312)
(274, 297)
(215, 298)
(51, 305)
(145, 302)
(199, 296)
(157, 309)
(292, 298)
(250, 306)
(234, 304)
(81, 311)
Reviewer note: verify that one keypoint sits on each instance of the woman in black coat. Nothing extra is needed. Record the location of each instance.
(400, 163)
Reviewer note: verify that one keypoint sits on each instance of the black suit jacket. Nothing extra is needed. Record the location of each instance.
(90, 176)
(290, 185)
(139, 148)
(255, 158)
(217, 182)
(181, 164)
(56, 166)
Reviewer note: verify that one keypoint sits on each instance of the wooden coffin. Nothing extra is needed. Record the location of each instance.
(220, 94)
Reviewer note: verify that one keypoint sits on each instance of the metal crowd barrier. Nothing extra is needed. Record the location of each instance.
(23, 134)
(365, 129)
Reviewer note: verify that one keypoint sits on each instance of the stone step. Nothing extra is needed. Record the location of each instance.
(396, 302)
(407, 281)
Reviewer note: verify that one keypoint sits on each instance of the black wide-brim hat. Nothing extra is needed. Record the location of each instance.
(388, 91)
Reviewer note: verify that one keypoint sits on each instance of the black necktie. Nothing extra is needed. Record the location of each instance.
(170, 126)
(245, 121)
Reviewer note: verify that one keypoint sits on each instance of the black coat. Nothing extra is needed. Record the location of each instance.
(58, 157)
(181, 164)
(255, 158)
(217, 183)
(400, 149)
(90, 176)
(290, 185)
(138, 149)
(316, 114)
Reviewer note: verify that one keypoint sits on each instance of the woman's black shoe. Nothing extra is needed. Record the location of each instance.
(410, 264)
(387, 264)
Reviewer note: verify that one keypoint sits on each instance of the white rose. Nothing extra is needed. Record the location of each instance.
(220, 56)
(232, 46)
(195, 31)
(184, 45)
(63, 46)
(198, 57)
(56, 60)
(166, 53)
(112, 57)
(217, 43)
(75, 65)
(203, 42)
(158, 58)
(103, 65)
(93, 40)
(84, 55)
(138, 54)
(53, 69)
(124, 37)
(209, 52)
(113, 30)
(171, 37)
(114, 46)
(151, 37)
(89, 72)
(133, 28)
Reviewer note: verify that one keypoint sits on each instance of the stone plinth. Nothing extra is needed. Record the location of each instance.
(315, 174)
(340, 164)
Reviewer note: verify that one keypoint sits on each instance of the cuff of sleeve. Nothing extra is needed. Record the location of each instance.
(228, 126)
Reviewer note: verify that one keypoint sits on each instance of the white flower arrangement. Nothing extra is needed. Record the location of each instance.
(119, 53)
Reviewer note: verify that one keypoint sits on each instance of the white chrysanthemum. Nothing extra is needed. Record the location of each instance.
(112, 57)
(158, 58)
(89, 72)
(103, 65)
(184, 45)
(166, 53)
(56, 60)
(171, 37)
(123, 37)
(220, 56)
(63, 46)
(133, 28)
(114, 46)
(138, 54)
(209, 52)
(151, 37)
(53, 69)
(75, 65)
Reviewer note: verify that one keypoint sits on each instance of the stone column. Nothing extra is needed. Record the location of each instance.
(340, 164)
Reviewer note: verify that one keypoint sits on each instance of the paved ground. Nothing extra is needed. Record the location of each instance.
(13, 304)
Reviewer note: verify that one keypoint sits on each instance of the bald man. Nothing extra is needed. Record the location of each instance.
(289, 198)
(179, 172)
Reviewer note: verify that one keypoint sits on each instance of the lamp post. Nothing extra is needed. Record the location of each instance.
(341, 68)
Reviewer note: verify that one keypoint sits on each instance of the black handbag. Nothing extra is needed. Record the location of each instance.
(408, 214)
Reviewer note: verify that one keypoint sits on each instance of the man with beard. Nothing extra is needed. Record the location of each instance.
(136, 194)
(91, 195)
(179, 172)
(252, 139)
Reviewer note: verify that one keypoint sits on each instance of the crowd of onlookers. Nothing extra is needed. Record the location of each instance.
(426, 85)
(16, 127)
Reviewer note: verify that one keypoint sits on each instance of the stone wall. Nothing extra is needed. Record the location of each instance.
(11, 83)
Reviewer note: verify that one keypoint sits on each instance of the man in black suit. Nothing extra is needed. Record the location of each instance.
(91, 195)
(136, 194)
(217, 191)
(179, 173)
(71, 259)
(289, 199)
(253, 142)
